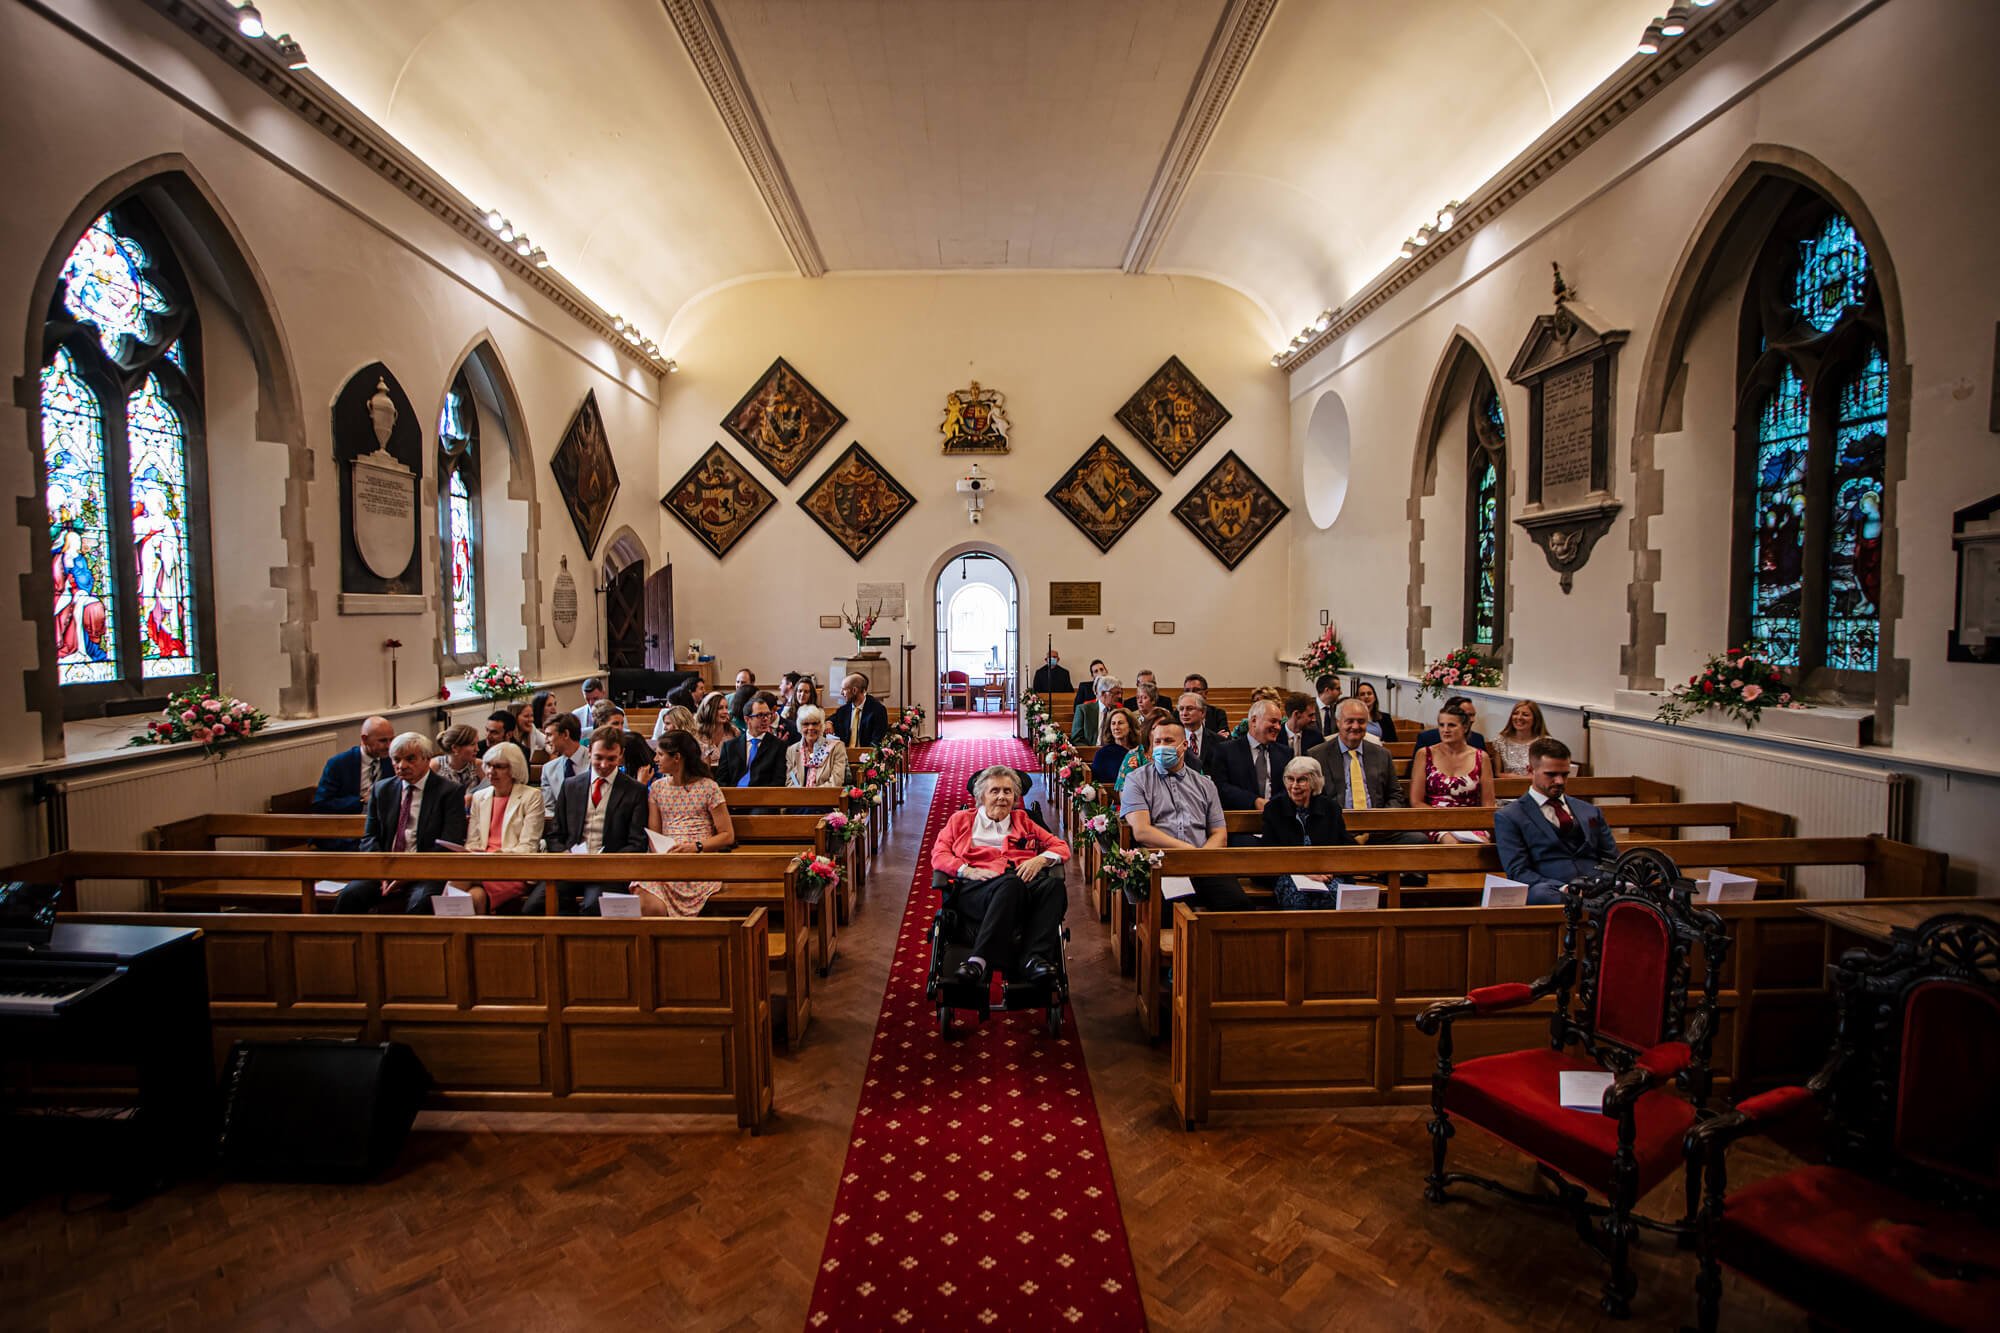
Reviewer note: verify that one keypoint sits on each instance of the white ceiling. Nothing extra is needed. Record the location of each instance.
(948, 134)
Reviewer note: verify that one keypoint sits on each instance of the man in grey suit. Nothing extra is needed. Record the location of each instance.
(1349, 754)
(1548, 839)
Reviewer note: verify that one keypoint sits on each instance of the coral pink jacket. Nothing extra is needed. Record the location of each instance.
(1026, 840)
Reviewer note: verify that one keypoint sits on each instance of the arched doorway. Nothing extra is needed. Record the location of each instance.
(977, 616)
(623, 587)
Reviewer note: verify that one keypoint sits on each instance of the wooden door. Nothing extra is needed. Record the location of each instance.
(625, 618)
(660, 640)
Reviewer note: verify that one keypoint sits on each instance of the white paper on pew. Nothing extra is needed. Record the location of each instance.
(1504, 892)
(1304, 885)
(1725, 887)
(1357, 898)
(444, 846)
(328, 887)
(1173, 888)
(1583, 1089)
(660, 842)
(452, 902)
(581, 849)
(618, 904)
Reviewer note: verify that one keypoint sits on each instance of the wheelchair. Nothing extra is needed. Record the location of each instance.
(951, 945)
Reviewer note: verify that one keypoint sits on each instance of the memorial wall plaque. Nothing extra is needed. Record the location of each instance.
(562, 605)
(1076, 599)
(378, 442)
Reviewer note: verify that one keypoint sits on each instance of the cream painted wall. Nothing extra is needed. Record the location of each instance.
(355, 272)
(1066, 349)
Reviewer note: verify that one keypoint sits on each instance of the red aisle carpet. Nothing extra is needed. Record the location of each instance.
(977, 1193)
(982, 726)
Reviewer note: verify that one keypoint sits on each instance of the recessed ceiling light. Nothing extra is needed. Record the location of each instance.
(1649, 45)
(249, 22)
(1676, 21)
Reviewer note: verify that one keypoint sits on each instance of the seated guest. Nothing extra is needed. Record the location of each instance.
(1301, 736)
(638, 762)
(457, 761)
(1510, 748)
(805, 694)
(861, 722)
(672, 718)
(1086, 689)
(1088, 722)
(600, 810)
(1248, 768)
(566, 756)
(1452, 774)
(1380, 725)
(501, 728)
(1146, 697)
(998, 859)
(1302, 815)
(816, 759)
(1461, 705)
(1168, 805)
(688, 807)
(593, 690)
(1262, 692)
(1548, 839)
(713, 728)
(506, 816)
(782, 726)
(527, 734)
(1215, 719)
(682, 696)
(1121, 734)
(1202, 740)
(1145, 677)
(541, 707)
(756, 758)
(604, 713)
(349, 777)
(412, 810)
(1361, 775)
(739, 698)
(1328, 690)
(1142, 742)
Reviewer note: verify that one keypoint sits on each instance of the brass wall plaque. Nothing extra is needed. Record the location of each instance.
(1076, 599)
(1163, 627)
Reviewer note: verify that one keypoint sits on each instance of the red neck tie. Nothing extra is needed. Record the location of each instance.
(1564, 819)
(403, 818)
(597, 792)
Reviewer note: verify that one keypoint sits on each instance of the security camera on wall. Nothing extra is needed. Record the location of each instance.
(975, 486)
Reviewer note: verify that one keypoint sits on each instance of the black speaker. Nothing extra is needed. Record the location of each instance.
(318, 1110)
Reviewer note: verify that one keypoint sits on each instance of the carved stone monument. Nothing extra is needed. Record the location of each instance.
(378, 443)
(562, 605)
(1568, 364)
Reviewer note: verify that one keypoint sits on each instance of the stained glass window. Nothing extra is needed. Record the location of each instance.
(157, 448)
(1778, 542)
(1485, 602)
(458, 519)
(104, 283)
(464, 608)
(79, 524)
(1831, 275)
(1486, 518)
(1854, 539)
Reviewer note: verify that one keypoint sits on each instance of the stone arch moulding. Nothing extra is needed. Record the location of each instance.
(625, 547)
(1658, 412)
(192, 211)
(1027, 645)
(482, 352)
(1462, 357)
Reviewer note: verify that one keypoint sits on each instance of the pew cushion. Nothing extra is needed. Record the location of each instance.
(1515, 1097)
(1839, 1243)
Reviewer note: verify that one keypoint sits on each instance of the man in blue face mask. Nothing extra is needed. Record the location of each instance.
(1170, 806)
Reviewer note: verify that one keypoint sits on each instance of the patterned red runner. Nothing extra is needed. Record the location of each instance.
(977, 1193)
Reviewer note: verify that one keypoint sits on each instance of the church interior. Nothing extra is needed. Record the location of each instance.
(749, 441)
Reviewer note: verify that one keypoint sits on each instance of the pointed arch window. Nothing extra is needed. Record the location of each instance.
(462, 625)
(122, 470)
(1813, 409)
(1485, 519)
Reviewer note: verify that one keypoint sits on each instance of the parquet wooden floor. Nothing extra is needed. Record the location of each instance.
(1298, 1221)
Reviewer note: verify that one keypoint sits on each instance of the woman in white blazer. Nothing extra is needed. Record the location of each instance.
(506, 816)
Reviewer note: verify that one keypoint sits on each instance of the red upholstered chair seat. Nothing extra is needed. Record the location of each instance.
(1862, 1253)
(1515, 1097)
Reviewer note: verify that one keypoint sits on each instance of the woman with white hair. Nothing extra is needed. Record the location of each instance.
(1006, 876)
(817, 758)
(506, 816)
(1305, 816)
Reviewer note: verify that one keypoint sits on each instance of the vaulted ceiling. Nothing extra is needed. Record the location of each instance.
(659, 148)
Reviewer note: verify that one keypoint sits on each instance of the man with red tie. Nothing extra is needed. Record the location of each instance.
(413, 811)
(601, 810)
(1548, 838)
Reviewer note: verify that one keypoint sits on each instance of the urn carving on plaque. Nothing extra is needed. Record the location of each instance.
(378, 443)
(1568, 364)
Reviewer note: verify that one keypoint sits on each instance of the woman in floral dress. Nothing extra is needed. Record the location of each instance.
(1451, 774)
(684, 804)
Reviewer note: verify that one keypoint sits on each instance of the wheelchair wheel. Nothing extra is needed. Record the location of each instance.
(945, 1021)
(1055, 1017)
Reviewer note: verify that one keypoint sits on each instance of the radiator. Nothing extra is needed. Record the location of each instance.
(113, 811)
(1828, 798)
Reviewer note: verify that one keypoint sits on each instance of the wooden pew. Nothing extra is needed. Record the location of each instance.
(511, 1013)
(793, 835)
(749, 881)
(1290, 1009)
(1891, 869)
(802, 800)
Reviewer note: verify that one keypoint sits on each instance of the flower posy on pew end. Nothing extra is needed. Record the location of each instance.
(1741, 682)
(817, 874)
(494, 681)
(1457, 669)
(204, 715)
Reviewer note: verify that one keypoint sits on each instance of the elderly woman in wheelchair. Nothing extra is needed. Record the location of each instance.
(1001, 872)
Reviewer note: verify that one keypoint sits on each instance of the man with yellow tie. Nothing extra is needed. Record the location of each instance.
(862, 721)
(1360, 772)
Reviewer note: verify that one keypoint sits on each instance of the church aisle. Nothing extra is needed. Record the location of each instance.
(977, 1191)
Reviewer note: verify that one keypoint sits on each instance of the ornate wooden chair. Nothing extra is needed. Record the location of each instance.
(1622, 1005)
(1900, 1227)
(958, 685)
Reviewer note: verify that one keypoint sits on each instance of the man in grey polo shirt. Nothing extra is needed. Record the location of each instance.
(1170, 806)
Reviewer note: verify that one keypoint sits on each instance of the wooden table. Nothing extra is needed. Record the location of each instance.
(1874, 920)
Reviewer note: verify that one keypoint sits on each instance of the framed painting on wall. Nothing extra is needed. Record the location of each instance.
(783, 421)
(1103, 494)
(856, 501)
(586, 474)
(719, 500)
(1231, 510)
(1173, 414)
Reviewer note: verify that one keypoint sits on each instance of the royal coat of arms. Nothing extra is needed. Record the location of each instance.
(1231, 510)
(719, 500)
(856, 501)
(783, 420)
(975, 421)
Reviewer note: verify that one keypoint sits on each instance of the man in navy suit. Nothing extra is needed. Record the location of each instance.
(349, 776)
(1300, 736)
(413, 811)
(1202, 743)
(756, 758)
(1249, 768)
(601, 810)
(862, 720)
(1546, 839)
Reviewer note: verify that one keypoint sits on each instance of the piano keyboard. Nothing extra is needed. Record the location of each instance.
(36, 992)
